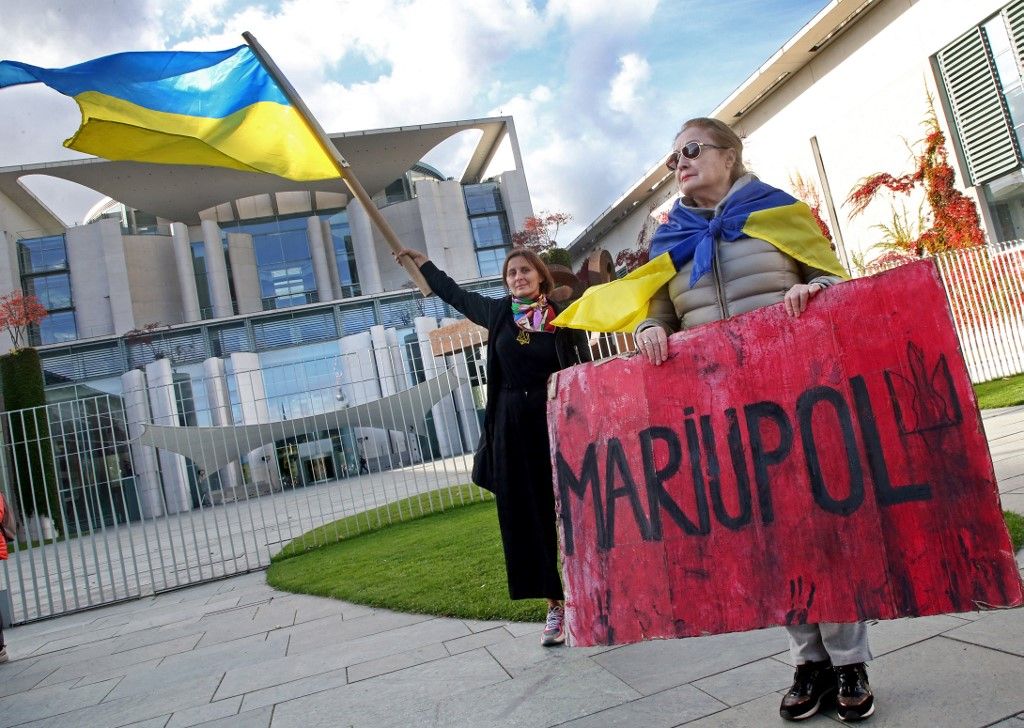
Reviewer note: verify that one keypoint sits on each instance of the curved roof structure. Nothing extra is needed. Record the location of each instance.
(180, 192)
(213, 447)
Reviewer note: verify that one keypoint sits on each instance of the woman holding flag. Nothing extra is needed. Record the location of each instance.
(513, 459)
(736, 244)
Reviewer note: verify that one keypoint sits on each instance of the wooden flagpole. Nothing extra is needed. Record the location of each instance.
(340, 163)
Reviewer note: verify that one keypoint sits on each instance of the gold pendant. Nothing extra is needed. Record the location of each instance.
(524, 337)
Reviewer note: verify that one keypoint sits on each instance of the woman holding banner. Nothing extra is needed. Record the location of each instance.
(737, 244)
(513, 459)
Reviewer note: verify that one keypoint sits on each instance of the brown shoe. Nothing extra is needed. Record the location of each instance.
(855, 700)
(813, 684)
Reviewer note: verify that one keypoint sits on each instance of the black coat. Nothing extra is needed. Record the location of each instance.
(513, 459)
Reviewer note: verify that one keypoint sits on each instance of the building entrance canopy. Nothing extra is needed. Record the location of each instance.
(211, 448)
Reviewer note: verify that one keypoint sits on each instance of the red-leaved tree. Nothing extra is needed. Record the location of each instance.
(980, 284)
(17, 313)
(540, 232)
(953, 223)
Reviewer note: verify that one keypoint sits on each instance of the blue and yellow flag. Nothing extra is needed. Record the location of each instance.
(173, 107)
(756, 210)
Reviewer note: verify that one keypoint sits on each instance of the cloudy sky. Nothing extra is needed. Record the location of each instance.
(597, 87)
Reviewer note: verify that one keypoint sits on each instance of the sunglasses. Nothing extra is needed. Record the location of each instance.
(690, 150)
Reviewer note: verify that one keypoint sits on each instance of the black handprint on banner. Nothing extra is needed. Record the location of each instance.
(800, 606)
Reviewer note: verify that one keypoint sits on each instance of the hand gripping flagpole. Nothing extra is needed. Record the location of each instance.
(340, 163)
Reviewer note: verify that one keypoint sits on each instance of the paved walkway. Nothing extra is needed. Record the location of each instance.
(238, 653)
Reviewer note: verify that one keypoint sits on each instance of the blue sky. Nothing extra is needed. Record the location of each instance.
(597, 87)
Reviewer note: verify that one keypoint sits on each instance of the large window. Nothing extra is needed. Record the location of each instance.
(283, 261)
(344, 253)
(491, 237)
(44, 274)
(202, 275)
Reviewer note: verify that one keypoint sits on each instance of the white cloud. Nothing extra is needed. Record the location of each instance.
(625, 95)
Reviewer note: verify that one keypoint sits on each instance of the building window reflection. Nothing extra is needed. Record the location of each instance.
(283, 260)
(344, 253)
(44, 274)
(489, 225)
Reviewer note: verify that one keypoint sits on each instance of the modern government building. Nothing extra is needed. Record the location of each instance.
(204, 297)
(201, 296)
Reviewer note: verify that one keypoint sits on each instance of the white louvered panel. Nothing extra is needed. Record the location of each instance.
(1013, 14)
(978, 108)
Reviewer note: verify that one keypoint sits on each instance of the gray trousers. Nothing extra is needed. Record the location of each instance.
(844, 644)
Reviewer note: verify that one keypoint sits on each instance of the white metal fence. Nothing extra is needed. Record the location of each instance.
(244, 459)
(105, 517)
(985, 288)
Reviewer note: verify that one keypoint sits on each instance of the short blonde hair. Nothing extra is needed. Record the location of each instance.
(722, 135)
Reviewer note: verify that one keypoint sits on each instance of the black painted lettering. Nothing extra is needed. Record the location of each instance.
(655, 477)
(568, 481)
(715, 481)
(615, 462)
(697, 474)
(755, 414)
(805, 405)
(886, 493)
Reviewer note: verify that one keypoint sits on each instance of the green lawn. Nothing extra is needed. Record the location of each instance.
(407, 509)
(1004, 392)
(449, 563)
(1015, 523)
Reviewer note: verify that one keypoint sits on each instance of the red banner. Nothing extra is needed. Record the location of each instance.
(774, 471)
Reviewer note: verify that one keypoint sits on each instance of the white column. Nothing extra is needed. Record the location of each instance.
(385, 365)
(332, 257)
(164, 407)
(321, 273)
(144, 457)
(464, 404)
(215, 379)
(216, 270)
(398, 363)
(244, 273)
(252, 396)
(448, 440)
(364, 248)
(186, 273)
(360, 384)
(400, 370)
(359, 370)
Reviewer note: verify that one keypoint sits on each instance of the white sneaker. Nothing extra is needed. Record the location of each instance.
(3, 654)
(554, 628)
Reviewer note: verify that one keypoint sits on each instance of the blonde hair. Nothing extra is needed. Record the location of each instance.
(722, 135)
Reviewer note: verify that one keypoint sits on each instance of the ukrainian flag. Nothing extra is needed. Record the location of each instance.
(220, 109)
(755, 210)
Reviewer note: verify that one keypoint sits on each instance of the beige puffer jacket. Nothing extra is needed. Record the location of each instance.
(746, 274)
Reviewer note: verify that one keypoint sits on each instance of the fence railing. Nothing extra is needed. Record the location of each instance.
(242, 459)
(199, 471)
(985, 289)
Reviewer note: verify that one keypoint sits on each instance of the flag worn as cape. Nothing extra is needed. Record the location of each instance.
(220, 109)
(756, 210)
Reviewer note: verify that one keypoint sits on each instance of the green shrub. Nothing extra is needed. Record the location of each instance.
(31, 469)
(557, 256)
